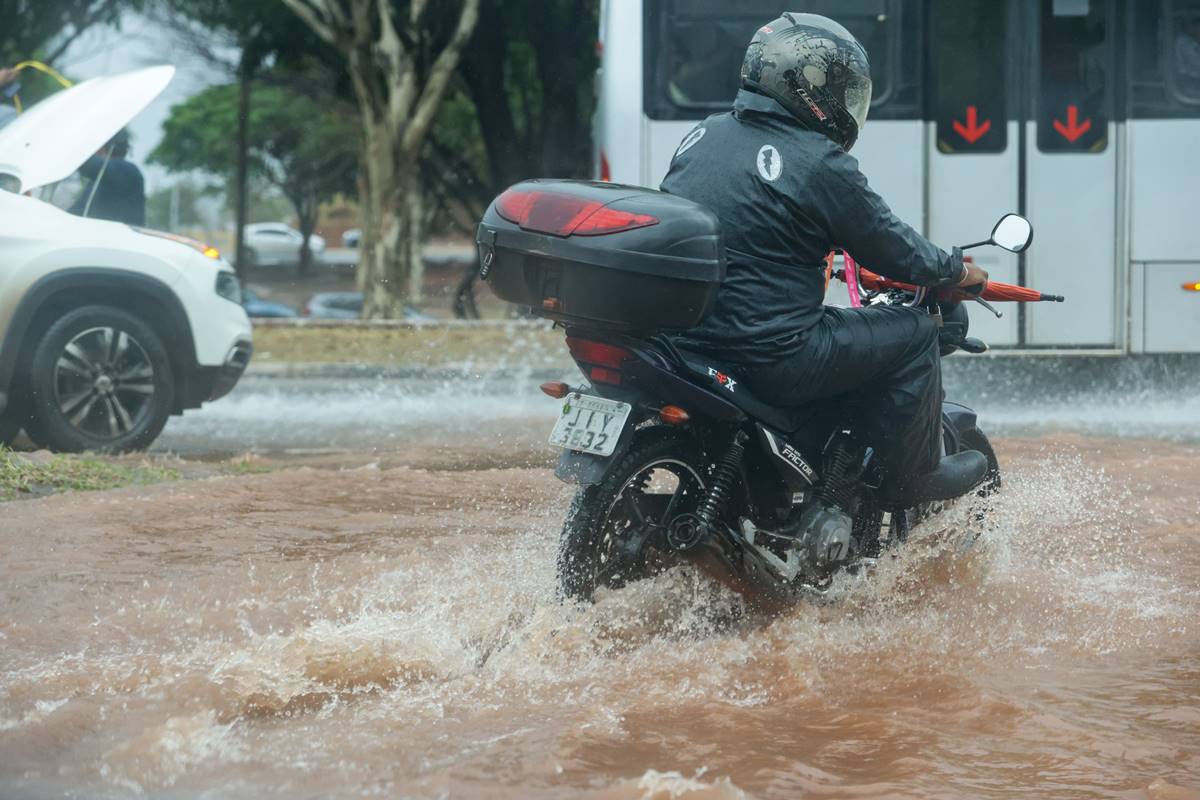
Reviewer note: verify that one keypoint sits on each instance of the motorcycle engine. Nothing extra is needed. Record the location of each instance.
(823, 536)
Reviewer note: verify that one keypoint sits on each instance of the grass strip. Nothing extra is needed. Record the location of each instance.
(28, 476)
(418, 346)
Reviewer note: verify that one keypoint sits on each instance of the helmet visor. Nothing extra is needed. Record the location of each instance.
(858, 100)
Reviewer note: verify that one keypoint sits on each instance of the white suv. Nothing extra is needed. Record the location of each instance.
(105, 330)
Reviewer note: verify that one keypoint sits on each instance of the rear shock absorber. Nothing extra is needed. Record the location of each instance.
(723, 480)
(689, 530)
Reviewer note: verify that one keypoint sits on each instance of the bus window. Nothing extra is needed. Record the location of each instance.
(967, 41)
(1073, 102)
(694, 49)
(1183, 49)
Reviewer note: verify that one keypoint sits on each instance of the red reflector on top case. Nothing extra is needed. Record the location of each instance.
(565, 215)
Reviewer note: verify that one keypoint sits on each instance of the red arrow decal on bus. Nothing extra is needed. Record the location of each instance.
(1074, 128)
(972, 131)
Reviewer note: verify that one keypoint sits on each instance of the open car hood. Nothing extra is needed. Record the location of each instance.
(54, 137)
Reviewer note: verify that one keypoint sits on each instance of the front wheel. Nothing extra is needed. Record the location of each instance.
(976, 439)
(100, 379)
(615, 530)
(973, 439)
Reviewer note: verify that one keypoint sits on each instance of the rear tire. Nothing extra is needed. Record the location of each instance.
(603, 542)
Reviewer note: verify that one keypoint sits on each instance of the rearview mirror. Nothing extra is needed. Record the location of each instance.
(1013, 232)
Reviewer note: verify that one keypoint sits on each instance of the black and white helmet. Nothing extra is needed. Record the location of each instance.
(814, 68)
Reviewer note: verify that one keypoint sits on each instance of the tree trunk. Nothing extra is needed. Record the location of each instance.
(398, 96)
(241, 200)
(385, 260)
(415, 212)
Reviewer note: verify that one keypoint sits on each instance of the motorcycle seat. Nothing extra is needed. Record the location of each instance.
(722, 379)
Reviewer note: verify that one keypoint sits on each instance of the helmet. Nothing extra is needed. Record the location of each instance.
(815, 69)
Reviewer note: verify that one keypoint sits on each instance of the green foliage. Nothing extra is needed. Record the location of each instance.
(297, 144)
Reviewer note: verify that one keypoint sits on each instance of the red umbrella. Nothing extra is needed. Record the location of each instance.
(994, 290)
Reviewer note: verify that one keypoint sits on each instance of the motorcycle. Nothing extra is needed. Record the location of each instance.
(674, 458)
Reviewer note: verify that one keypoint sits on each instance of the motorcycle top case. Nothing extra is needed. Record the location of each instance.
(601, 255)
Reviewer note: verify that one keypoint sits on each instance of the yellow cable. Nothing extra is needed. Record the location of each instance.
(43, 68)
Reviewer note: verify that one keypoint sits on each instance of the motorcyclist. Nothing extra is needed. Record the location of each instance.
(777, 172)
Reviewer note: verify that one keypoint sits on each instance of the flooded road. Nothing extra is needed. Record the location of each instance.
(392, 631)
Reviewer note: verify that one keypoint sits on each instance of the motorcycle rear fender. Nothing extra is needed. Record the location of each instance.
(652, 383)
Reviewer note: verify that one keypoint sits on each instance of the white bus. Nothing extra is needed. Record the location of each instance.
(1084, 115)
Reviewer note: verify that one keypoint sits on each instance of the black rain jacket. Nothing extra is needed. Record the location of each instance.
(786, 196)
(121, 195)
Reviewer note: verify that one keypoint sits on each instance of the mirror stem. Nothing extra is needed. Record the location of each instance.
(976, 244)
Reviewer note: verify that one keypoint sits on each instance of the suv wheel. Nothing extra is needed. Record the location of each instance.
(101, 380)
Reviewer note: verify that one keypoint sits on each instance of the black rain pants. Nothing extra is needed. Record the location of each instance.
(886, 358)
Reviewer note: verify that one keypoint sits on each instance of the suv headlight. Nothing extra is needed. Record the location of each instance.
(229, 287)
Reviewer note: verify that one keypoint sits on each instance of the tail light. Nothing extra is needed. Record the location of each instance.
(565, 215)
(1192, 286)
(601, 361)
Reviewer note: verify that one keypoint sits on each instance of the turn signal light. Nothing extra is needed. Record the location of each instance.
(1192, 286)
(556, 389)
(566, 215)
(673, 415)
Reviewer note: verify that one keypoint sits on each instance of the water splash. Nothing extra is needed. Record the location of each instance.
(437, 658)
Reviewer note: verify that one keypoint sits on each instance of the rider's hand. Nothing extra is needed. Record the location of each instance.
(973, 276)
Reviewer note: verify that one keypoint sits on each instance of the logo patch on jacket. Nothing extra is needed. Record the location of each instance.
(770, 163)
(722, 378)
(690, 140)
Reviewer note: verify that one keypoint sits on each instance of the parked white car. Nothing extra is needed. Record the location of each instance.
(105, 329)
(272, 244)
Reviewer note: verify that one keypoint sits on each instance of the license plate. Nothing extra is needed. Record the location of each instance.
(590, 424)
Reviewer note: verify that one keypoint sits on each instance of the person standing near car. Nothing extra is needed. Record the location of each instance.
(115, 189)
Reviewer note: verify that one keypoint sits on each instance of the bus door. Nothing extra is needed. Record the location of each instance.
(1022, 119)
(972, 143)
(1071, 173)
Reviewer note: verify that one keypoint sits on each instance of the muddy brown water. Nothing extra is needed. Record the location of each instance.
(392, 631)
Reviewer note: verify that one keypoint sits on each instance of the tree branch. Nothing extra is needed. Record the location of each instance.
(319, 16)
(439, 78)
